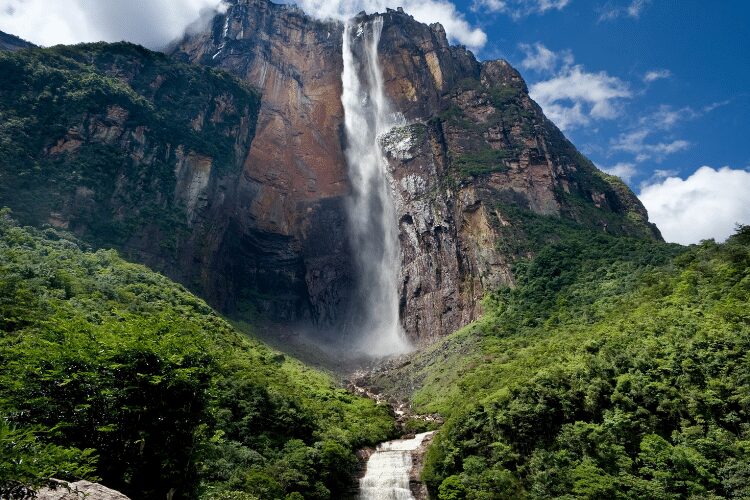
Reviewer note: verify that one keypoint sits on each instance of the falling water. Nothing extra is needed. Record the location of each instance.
(372, 220)
(388, 470)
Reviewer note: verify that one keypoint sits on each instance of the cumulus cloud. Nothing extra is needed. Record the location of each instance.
(708, 204)
(153, 23)
(541, 59)
(575, 97)
(519, 8)
(425, 11)
(623, 170)
(656, 74)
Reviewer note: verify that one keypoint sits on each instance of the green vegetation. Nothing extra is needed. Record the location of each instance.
(616, 368)
(483, 161)
(92, 131)
(111, 371)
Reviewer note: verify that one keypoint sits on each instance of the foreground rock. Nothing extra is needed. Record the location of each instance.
(78, 491)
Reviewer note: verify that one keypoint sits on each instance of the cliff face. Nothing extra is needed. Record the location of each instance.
(243, 198)
(478, 143)
(128, 149)
(479, 150)
(294, 176)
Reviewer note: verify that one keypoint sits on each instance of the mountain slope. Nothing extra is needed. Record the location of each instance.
(616, 368)
(102, 355)
(129, 149)
(13, 43)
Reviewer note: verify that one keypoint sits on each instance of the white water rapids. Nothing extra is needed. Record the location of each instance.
(373, 227)
(388, 469)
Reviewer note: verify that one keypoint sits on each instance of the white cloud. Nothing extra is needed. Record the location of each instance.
(634, 142)
(519, 8)
(575, 97)
(715, 105)
(425, 11)
(541, 59)
(635, 7)
(612, 10)
(656, 74)
(666, 117)
(625, 171)
(707, 204)
(153, 23)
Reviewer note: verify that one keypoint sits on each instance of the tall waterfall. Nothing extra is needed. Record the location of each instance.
(372, 220)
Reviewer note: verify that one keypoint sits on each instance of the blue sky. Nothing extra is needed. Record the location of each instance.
(655, 91)
(697, 56)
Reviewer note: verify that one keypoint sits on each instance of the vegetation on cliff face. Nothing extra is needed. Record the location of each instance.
(617, 368)
(111, 371)
(94, 132)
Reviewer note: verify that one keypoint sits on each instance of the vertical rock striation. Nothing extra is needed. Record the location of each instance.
(476, 150)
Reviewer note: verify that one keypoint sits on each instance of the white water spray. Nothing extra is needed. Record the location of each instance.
(388, 470)
(372, 221)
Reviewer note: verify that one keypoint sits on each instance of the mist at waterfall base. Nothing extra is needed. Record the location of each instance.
(373, 231)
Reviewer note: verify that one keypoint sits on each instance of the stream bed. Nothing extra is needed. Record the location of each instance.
(389, 470)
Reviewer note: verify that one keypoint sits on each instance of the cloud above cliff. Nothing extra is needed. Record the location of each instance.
(705, 205)
(575, 97)
(444, 12)
(153, 23)
(570, 95)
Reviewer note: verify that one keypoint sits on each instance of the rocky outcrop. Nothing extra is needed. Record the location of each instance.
(447, 243)
(79, 490)
(478, 148)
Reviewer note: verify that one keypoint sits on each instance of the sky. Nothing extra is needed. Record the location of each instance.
(654, 91)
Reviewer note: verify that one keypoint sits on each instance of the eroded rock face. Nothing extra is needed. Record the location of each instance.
(477, 143)
(247, 206)
(294, 176)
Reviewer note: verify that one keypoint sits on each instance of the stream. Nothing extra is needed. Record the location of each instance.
(389, 469)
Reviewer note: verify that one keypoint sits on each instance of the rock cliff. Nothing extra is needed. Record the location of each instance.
(476, 144)
(242, 196)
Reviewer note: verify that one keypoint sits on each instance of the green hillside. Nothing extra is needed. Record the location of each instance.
(617, 368)
(105, 356)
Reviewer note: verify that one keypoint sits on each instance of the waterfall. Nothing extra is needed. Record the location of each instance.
(388, 470)
(373, 228)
